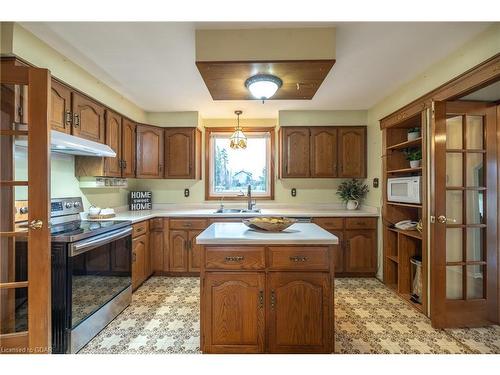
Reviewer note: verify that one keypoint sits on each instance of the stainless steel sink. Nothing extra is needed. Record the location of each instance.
(236, 211)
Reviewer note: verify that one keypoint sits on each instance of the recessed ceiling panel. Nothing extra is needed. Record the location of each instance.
(301, 79)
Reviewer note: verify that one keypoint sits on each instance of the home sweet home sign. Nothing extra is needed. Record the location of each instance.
(140, 200)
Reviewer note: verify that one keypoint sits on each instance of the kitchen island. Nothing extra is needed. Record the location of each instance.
(266, 292)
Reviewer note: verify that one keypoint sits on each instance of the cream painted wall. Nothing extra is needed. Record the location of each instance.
(29, 47)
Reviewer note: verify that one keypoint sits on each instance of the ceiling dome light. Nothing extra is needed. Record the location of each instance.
(238, 139)
(263, 86)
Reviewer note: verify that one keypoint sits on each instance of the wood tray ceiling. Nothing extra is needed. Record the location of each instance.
(225, 80)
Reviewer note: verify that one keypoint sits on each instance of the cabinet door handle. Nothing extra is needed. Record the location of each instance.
(298, 258)
(188, 245)
(68, 118)
(236, 258)
(261, 299)
(273, 299)
(347, 244)
(76, 121)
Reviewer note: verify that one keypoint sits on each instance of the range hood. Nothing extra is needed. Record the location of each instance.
(69, 144)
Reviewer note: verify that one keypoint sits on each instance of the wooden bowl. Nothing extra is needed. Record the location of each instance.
(269, 224)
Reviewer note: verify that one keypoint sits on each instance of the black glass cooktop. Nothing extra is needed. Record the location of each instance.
(77, 230)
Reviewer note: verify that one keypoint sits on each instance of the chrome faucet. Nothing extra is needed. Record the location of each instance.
(250, 203)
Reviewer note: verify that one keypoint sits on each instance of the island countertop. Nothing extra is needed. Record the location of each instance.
(240, 234)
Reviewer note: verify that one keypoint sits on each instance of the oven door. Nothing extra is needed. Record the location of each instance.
(100, 268)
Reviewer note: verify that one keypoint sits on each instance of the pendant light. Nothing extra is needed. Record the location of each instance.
(238, 139)
(263, 86)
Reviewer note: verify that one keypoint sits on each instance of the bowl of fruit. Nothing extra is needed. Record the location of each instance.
(269, 224)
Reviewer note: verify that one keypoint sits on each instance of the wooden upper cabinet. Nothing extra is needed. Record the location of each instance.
(352, 151)
(234, 304)
(60, 108)
(128, 148)
(299, 312)
(295, 152)
(323, 161)
(112, 166)
(360, 251)
(149, 152)
(88, 118)
(183, 153)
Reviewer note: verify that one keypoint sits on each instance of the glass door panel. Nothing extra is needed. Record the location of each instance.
(462, 152)
(24, 177)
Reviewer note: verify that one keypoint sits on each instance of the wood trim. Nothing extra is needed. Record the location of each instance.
(473, 79)
(39, 262)
(209, 130)
(14, 343)
(13, 285)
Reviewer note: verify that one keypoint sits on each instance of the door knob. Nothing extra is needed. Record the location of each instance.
(444, 220)
(36, 224)
(441, 219)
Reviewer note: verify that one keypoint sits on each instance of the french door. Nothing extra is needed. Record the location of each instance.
(464, 220)
(24, 236)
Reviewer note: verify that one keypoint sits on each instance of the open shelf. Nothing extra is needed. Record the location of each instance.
(401, 245)
(406, 144)
(405, 204)
(410, 233)
(405, 170)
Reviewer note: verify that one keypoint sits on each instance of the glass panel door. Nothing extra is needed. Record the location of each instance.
(24, 182)
(464, 254)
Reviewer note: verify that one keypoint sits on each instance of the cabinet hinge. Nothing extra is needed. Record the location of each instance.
(20, 111)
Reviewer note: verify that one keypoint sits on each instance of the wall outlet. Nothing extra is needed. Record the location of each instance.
(186, 193)
(293, 192)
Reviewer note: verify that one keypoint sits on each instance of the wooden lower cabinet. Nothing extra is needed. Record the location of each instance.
(299, 314)
(356, 253)
(361, 251)
(140, 247)
(194, 251)
(249, 307)
(235, 321)
(178, 251)
(157, 244)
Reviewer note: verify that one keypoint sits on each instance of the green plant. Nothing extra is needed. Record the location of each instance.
(352, 190)
(414, 130)
(413, 154)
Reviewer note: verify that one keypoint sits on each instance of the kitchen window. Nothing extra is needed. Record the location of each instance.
(230, 171)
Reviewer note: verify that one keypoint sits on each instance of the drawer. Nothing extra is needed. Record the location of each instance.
(156, 223)
(235, 258)
(139, 228)
(329, 222)
(299, 258)
(188, 223)
(361, 223)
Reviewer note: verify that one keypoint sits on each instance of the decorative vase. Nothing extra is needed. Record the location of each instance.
(352, 204)
(415, 163)
(413, 135)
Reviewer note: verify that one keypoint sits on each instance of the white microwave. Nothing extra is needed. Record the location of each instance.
(405, 189)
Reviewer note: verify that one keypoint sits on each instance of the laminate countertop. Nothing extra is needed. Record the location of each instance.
(177, 211)
(240, 234)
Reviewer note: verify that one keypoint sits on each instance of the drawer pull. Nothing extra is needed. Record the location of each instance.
(237, 258)
(298, 258)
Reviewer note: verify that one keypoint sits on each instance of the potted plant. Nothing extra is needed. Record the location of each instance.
(351, 192)
(413, 133)
(414, 156)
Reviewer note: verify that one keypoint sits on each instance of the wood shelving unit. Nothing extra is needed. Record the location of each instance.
(400, 245)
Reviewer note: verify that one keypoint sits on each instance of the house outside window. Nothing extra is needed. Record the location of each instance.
(230, 171)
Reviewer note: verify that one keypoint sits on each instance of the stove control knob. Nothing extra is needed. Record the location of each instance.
(68, 205)
(76, 204)
(23, 210)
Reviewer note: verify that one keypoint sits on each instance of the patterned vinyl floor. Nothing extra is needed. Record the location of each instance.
(369, 318)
